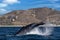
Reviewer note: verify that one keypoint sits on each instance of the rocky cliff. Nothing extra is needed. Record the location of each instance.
(34, 15)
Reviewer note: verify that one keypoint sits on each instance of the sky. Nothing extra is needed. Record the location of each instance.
(10, 5)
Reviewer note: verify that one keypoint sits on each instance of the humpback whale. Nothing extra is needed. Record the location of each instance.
(28, 28)
(34, 29)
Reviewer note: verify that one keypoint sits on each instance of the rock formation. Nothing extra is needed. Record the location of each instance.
(34, 15)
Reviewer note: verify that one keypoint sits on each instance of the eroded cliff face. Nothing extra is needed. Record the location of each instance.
(35, 15)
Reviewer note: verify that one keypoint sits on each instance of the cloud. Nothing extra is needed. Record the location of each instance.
(49, 5)
(11, 1)
(3, 5)
(3, 11)
(56, 6)
(53, 1)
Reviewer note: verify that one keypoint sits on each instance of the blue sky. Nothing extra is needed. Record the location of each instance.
(10, 5)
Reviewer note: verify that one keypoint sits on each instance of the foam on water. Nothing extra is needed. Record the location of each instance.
(46, 31)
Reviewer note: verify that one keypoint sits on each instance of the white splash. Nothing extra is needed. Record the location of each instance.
(47, 31)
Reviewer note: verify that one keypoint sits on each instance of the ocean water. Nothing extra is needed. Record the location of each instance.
(7, 33)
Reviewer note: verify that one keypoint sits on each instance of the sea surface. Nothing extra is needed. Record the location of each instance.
(7, 33)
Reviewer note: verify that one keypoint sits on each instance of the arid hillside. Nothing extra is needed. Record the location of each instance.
(34, 15)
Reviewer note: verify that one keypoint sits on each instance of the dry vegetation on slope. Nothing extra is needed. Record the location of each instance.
(34, 15)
